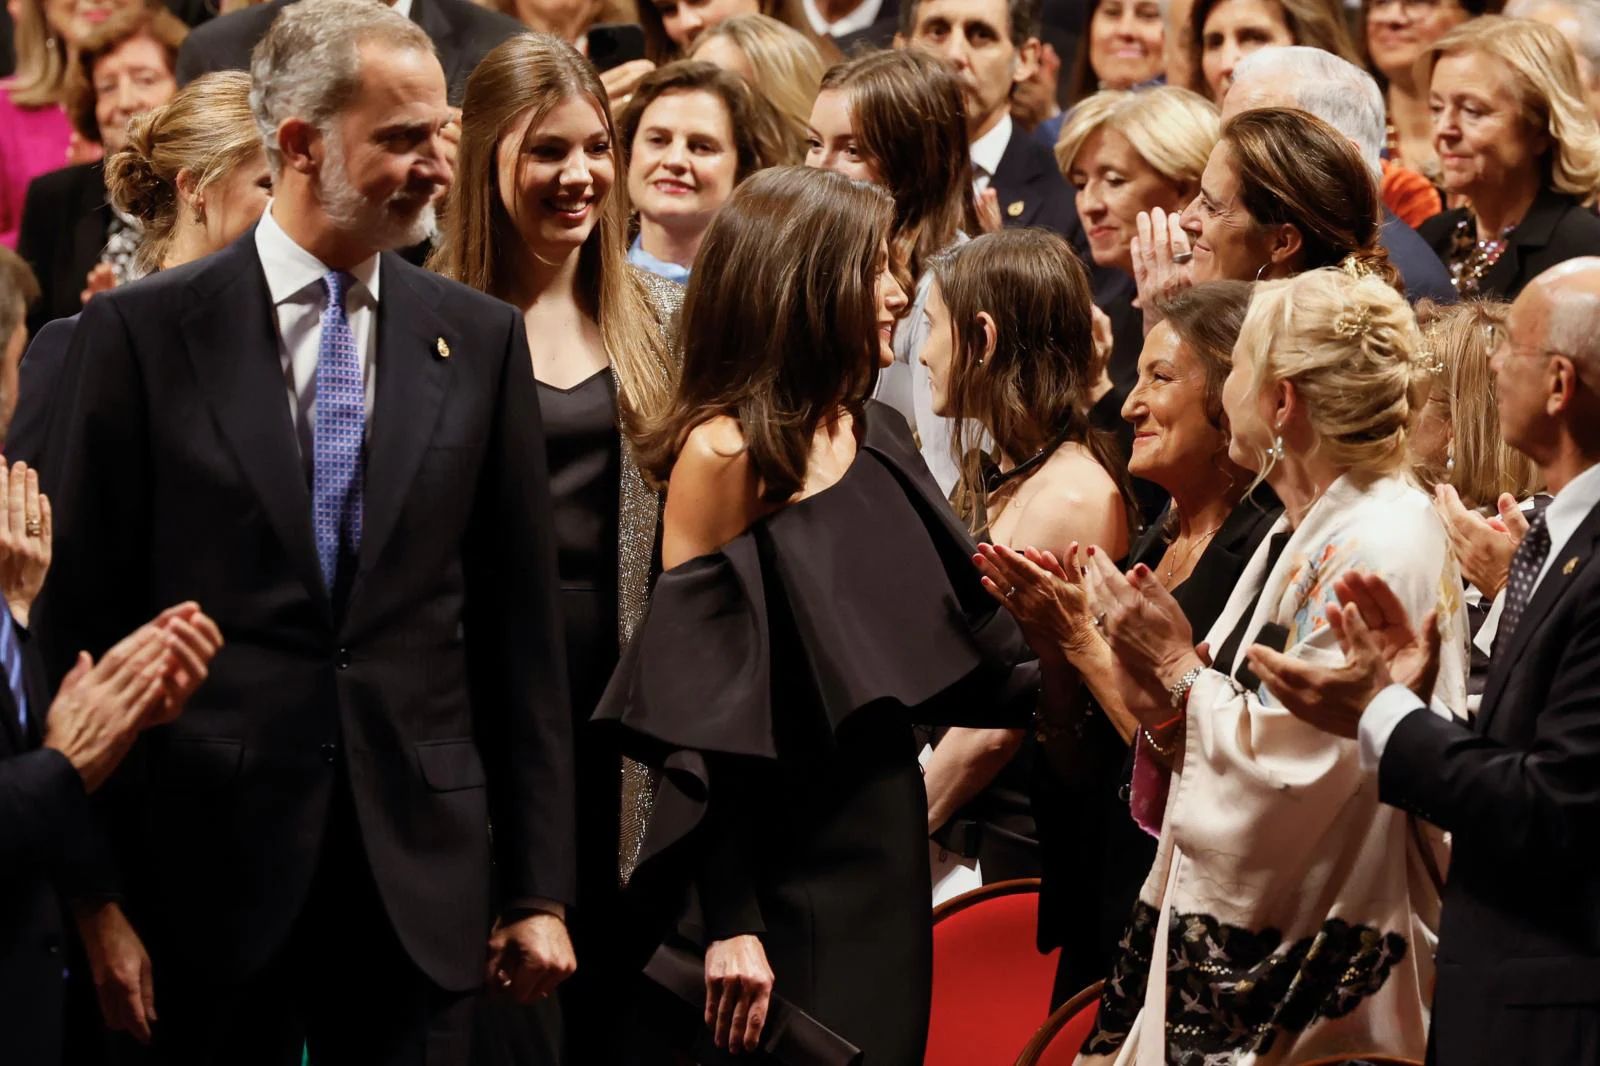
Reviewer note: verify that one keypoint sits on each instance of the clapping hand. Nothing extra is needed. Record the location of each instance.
(1048, 599)
(25, 537)
(1483, 547)
(530, 956)
(1161, 254)
(738, 992)
(1147, 631)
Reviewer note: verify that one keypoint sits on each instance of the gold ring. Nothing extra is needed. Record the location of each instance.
(34, 528)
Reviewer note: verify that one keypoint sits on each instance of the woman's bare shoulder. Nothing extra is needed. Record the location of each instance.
(712, 494)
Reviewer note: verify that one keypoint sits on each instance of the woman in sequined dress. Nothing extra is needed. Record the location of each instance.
(536, 218)
(1517, 141)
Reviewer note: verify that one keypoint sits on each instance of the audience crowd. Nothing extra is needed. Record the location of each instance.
(542, 533)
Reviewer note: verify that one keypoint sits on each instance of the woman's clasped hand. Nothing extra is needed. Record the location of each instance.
(1161, 257)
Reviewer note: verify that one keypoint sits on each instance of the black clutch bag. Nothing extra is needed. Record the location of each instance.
(791, 1037)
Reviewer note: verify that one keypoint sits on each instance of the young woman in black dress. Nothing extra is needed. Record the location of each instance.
(537, 217)
(817, 600)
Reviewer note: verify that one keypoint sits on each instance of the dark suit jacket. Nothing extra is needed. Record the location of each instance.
(38, 386)
(1519, 790)
(438, 692)
(63, 231)
(1420, 267)
(1032, 191)
(1555, 229)
(462, 33)
(878, 35)
(49, 847)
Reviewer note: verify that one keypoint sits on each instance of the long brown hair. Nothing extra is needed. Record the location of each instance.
(780, 321)
(1295, 169)
(906, 110)
(1032, 391)
(478, 239)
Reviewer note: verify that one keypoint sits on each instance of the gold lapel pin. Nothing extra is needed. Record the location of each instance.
(1571, 565)
(1014, 209)
(442, 348)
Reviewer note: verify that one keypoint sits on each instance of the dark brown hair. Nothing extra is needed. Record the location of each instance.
(18, 289)
(906, 110)
(1033, 389)
(1295, 169)
(1313, 23)
(1207, 319)
(478, 239)
(757, 136)
(159, 24)
(780, 321)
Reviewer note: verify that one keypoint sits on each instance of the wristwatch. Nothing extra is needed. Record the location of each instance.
(1180, 690)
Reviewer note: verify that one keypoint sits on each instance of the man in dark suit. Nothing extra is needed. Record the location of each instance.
(1348, 99)
(993, 45)
(65, 218)
(343, 453)
(1518, 788)
(462, 32)
(53, 753)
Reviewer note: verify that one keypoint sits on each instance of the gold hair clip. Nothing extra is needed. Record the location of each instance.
(1353, 323)
(1429, 361)
(1356, 268)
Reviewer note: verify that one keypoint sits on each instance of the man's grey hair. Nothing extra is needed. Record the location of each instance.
(308, 65)
(1573, 330)
(1333, 89)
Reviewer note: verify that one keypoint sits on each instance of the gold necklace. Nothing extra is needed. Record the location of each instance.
(1172, 567)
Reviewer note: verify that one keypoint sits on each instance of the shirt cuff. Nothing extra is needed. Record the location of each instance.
(1483, 639)
(1379, 720)
(540, 905)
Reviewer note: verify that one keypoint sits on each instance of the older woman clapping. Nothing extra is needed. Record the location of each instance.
(1289, 914)
(1283, 192)
(1516, 140)
(1094, 855)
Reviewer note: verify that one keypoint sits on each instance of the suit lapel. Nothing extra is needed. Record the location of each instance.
(1566, 565)
(233, 346)
(412, 376)
(1014, 181)
(93, 216)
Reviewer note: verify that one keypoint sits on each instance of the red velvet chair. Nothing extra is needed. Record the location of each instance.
(1059, 1038)
(991, 987)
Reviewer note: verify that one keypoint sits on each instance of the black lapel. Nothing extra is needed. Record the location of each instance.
(92, 217)
(1565, 567)
(429, 14)
(1014, 181)
(413, 371)
(1535, 231)
(233, 345)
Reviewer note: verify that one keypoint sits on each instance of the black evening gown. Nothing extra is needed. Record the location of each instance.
(584, 452)
(775, 682)
(1095, 856)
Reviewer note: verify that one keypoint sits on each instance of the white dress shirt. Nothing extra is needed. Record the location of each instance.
(863, 16)
(1562, 519)
(987, 151)
(294, 279)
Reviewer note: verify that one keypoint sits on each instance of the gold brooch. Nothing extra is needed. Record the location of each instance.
(1014, 209)
(1571, 565)
(442, 348)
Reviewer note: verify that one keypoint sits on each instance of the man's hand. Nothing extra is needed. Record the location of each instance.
(738, 992)
(1412, 658)
(193, 641)
(25, 535)
(101, 706)
(1483, 547)
(120, 967)
(101, 278)
(1034, 99)
(529, 957)
(1330, 698)
(621, 81)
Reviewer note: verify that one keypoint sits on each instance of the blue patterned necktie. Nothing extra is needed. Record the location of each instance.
(337, 434)
(1526, 563)
(11, 662)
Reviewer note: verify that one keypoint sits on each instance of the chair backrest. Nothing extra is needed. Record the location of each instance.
(991, 987)
(1069, 1025)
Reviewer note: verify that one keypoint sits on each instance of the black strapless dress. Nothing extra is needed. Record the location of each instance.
(775, 683)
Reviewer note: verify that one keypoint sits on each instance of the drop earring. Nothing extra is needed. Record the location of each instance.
(1450, 461)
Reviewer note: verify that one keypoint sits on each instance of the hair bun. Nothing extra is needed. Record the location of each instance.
(136, 187)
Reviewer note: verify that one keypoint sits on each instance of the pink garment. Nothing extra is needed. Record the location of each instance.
(33, 141)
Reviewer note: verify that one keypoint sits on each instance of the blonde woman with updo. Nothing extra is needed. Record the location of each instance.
(1289, 915)
(782, 65)
(194, 175)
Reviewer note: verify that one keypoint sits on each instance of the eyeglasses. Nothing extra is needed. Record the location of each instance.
(1409, 8)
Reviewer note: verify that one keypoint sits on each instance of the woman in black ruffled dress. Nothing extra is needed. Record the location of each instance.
(818, 599)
